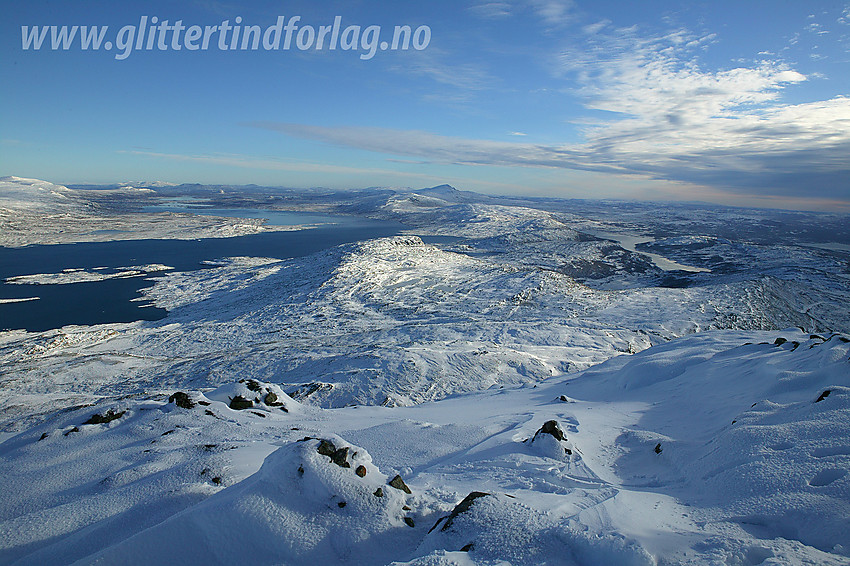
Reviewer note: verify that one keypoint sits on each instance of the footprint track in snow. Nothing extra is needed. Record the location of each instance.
(826, 477)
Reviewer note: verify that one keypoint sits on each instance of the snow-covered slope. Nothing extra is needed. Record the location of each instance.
(545, 395)
(725, 447)
(391, 321)
(34, 196)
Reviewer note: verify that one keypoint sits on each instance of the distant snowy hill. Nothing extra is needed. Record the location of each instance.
(33, 195)
(36, 212)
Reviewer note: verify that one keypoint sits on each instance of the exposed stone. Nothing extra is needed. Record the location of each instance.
(379, 492)
(182, 400)
(658, 448)
(271, 400)
(106, 417)
(326, 447)
(409, 522)
(239, 403)
(337, 456)
(361, 471)
(823, 395)
(461, 507)
(551, 427)
(398, 483)
(468, 547)
(340, 458)
(252, 385)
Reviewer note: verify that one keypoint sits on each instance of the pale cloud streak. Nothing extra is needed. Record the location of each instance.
(666, 117)
(553, 13)
(251, 162)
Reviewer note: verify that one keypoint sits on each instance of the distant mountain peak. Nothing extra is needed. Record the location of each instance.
(444, 187)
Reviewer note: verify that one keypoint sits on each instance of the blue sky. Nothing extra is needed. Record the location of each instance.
(738, 102)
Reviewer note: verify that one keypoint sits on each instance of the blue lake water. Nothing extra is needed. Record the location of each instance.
(110, 300)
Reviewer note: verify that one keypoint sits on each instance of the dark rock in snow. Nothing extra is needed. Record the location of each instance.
(398, 483)
(658, 448)
(461, 507)
(106, 417)
(409, 522)
(379, 492)
(326, 447)
(182, 400)
(239, 403)
(551, 427)
(823, 395)
(361, 471)
(271, 400)
(338, 456)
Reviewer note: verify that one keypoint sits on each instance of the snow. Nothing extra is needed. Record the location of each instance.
(39, 212)
(774, 484)
(21, 300)
(694, 425)
(68, 276)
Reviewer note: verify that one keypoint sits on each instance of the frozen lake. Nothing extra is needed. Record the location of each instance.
(111, 300)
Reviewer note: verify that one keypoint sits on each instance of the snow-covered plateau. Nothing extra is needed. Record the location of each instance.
(503, 384)
(39, 212)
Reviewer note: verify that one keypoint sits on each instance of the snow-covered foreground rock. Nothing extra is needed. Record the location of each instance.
(725, 447)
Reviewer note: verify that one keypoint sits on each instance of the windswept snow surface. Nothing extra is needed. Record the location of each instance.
(689, 427)
(718, 448)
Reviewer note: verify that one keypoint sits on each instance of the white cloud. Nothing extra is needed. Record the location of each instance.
(464, 77)
(554, 12)
(491, 10)
(266, 164)
(591, 29)
(667, 118)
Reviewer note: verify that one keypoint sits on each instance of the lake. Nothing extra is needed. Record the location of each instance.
(110, 300)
